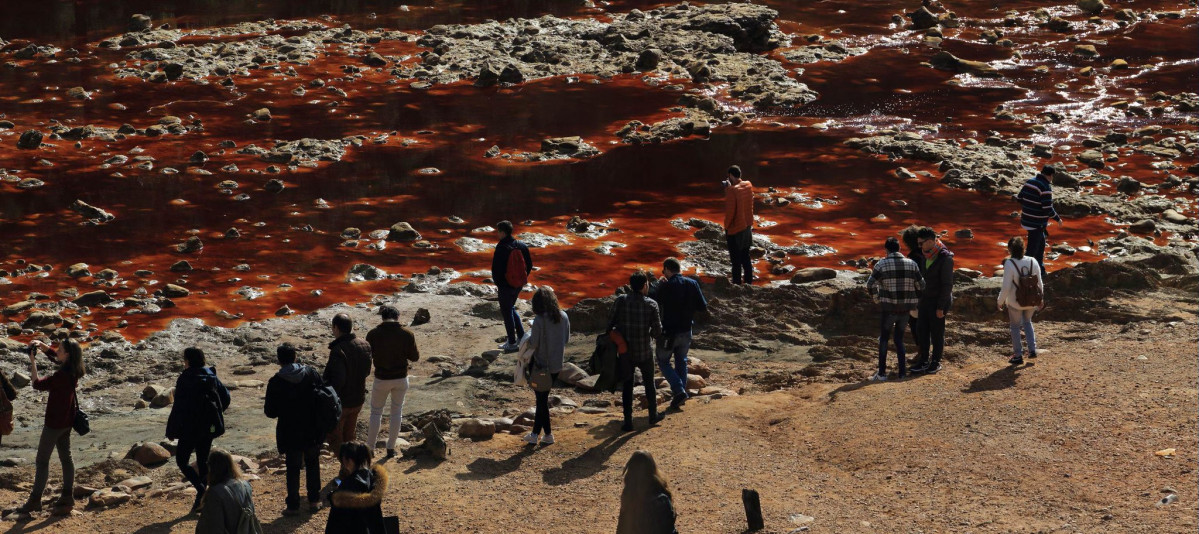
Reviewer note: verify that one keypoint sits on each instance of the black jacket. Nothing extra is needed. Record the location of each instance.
(357, 505)
(291, 398)
(938, 281)
(499, 261)
(655, 515)
(349, 365)
(185, 421)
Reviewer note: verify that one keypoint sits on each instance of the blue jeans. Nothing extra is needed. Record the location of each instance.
(894, 323)
(1021, 320)
(508, 296)
(1035, 248)
(676, 376)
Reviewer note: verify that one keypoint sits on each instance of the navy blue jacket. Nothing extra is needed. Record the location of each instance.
(679, 298)
(184, 421)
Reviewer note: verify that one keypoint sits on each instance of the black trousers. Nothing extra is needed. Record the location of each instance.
(1035, 248)
(931, 331)
(198, 476)
(310, 460)
(541, 419)
(647, 375)
(893, 324)
(739, 244)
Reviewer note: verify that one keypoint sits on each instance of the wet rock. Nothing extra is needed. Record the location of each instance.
(422, 316)
(1173, 216)
(198, 158)
(1146, 226)
(193, 244)
(78, 93)
(181, 266)
(274, 185)
(923, 19)
(30, 139)
(402, 231)
(373, 59)
(1093, 7)
(30, 183)
(477, 429)
(91, 212)
(1118, 64)
(284, 311)
(148, 454)
(262, 115)
(1128, 185)
(173, 291)
(1092, 158)
(813, 274)
(78, 270)
(41, 319)
(139, 22)
(95, 298)
(363, 272)
(567, 147)
(17, 308)
(964, 233)
(1086, 50)
(949, 62)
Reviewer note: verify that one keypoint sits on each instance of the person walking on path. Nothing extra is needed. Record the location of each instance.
(1036, 208)
(1021, 271)
(550, 332)
(935, 300)
(510, 274)
(229, 501)
(895, 284)
(392, 347)
(738, 224)
(291, 398)
(679, 299)
(60, 420)
(348, 367)
(638, 321)
(356, 506)
(646, 503)
(197, 418)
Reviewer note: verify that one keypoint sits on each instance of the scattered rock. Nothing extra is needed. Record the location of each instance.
(421, 316)
(181, 266)
(477, 429)
(78, 270)
(30, 139)
(108, 498)
(262, 115)
(193, 244)
(813, 274)
(148, 454)
(1093, 7)
(363, 272)
(173, 291)
(94, 298)
(1146, 226)
(949, 62)
(19, 379)
(139, 22)
(1086, 50)
(567, 147)
(923, 19)
(403, 231)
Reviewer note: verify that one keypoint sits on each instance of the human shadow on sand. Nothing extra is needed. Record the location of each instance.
(1001, 379)
(593, 460)
(487, 468)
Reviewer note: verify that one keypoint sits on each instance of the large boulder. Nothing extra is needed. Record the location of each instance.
(148, 454)
(477, 429)
(30, 139)
(813, 274)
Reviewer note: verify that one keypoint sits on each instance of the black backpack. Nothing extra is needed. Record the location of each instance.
(328, 405)
(209, 408)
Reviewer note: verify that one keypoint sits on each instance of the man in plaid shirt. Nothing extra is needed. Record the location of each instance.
(638, 320)
(895, 284)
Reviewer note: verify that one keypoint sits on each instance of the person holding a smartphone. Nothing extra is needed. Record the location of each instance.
(60, 417)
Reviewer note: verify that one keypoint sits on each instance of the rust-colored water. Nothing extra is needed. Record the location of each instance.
(293, 248)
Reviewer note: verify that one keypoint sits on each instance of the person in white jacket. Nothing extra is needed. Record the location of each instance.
(1019, 317)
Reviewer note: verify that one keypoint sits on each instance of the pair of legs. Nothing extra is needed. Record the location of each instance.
(931, 334)
(541, 419)
(1021, 320)
(651, 393)
(396, 389)
(1035, 248)
(894, 323)
(310, 461)
(508, 297)
(739, 244)
(678, 347)
(198, 476)
(345, 429)
(53, 438)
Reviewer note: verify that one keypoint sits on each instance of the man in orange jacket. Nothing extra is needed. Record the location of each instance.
(738, 224)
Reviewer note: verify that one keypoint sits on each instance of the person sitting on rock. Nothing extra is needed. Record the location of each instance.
(895, 283)
(357, 503)
(935, 300)
(196, 418)
(291, 398)
(229, 501)
(348, 367)
(1036, 208)
(509, 282)
(738, 224)
(1018, 268)
(61, 406)
(646, 503)
(392, 347)
(679, 299)
(636, 318)
(551, 331)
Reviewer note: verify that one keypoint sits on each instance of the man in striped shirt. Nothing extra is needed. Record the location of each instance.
(895, 284)
(1036, 202)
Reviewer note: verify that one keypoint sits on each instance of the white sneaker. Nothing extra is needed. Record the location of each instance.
(548, 439)
(878, 378)
(531, 438)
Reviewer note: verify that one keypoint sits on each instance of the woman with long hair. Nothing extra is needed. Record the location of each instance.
(1017, 269)
(196, 418)
(550, 332)
(357, 503)
(60, 418)
(228, 498)
(646, 504)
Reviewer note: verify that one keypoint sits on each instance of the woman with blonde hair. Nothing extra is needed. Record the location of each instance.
(646, 505)
(547, 341)
(228, 503)
(61, 406)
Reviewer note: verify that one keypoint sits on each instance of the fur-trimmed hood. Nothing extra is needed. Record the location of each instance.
(359, 500)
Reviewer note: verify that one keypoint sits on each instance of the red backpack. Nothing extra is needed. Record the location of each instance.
(518, 272)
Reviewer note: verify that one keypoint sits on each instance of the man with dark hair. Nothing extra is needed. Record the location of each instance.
(291, 398)
(1036, 208)
(679, 299)
(349, 365)
(509, 291)
(196, 419)
(935, 301)
(636, 318)
(895, 284)
(738, 224)
(392, 347)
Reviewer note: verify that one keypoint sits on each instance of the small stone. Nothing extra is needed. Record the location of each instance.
(262, 115)
(181, 266)
(422, 316)
(148, 454)
(78, 270)
(274, 185)
(193, 244)
(813, 274)
(403, 231)
(284, 311)
(477, 429)
(173, 291)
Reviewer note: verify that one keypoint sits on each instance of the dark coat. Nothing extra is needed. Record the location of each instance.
(349, 366)
(291, 398)
(185, 420)
(655, 515)
(357, 505)
(392, 347)
(938, 281)
(499, 260)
